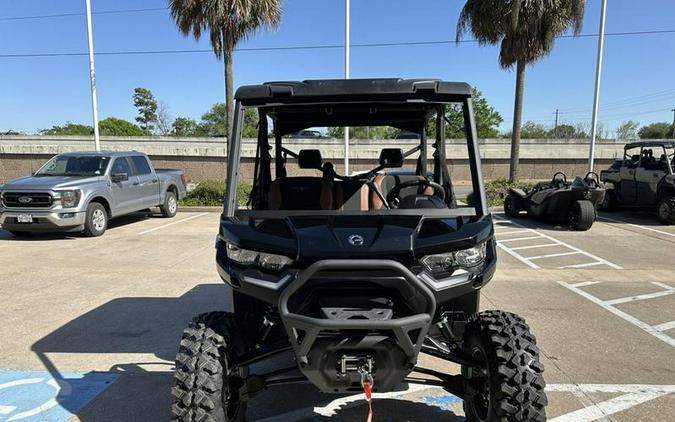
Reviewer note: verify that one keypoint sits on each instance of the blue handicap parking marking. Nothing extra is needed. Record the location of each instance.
(30, 396)
(444, 402)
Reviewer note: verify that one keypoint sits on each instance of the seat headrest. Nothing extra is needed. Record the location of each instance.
(391, 157)
(310, 159)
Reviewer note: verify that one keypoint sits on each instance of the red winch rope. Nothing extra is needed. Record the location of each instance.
(367, 389)
(367, 384)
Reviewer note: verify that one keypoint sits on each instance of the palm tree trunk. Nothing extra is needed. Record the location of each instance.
(517, 117)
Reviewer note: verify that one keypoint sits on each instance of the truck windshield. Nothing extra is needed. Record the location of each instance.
(74, 165)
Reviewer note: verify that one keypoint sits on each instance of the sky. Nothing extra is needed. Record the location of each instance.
(38, 92)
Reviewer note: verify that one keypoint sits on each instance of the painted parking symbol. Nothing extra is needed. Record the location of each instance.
(29, 396)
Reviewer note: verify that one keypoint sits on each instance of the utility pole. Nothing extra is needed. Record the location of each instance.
(555, 131)
(346, 77)
(673, 134)
(596, 95)
(92, 76)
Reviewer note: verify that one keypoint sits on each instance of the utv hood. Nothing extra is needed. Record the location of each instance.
(401, 238)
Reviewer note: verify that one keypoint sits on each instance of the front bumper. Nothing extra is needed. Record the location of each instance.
(42, 221)
(390, 343)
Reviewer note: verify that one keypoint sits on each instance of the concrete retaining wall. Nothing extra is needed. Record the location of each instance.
(205, 158)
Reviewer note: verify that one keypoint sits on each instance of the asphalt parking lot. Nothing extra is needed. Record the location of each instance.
(91, 326)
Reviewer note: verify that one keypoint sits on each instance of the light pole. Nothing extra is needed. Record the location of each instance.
(346, 140)
(92, 76)
(596, 96)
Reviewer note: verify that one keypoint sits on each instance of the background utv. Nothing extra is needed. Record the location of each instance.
(352, 276)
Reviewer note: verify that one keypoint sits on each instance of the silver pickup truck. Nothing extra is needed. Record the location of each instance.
(82, 191)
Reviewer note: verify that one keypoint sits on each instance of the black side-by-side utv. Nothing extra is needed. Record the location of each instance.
(559, 201)
(354, 275)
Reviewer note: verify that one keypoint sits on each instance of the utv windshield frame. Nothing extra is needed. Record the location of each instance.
(323, 96)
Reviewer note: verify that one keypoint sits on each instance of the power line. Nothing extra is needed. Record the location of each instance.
(66, 15)
(627, 101)
(299, 47)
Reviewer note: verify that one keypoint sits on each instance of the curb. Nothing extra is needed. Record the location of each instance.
(200, 209)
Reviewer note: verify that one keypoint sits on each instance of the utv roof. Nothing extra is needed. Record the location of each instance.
(657, 143)
(348, 90)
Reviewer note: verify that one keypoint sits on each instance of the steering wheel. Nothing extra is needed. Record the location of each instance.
(557, 182)
(394, 197)
(592, 179)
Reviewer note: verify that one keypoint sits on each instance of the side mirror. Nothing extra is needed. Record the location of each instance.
(119, 177)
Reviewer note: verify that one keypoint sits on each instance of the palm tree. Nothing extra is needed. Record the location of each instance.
(227, 22)
(525, 30)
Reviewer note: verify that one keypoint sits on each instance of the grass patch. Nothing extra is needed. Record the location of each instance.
(211, 193)
(496, 190)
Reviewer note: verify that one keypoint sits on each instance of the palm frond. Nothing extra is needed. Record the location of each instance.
(226, 21)
(525, 29)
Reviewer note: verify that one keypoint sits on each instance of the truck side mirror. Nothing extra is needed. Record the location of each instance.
(119, 177)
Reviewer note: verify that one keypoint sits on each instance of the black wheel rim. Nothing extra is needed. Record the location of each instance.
(481, 401)
(231, 401)
(664, 210)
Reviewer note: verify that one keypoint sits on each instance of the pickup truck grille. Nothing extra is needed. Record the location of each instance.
(27, 200)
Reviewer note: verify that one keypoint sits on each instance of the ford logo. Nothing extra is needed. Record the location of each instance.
(25, 199)
(356, 239)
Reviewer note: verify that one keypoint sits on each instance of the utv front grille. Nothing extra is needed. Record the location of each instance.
(27, 200)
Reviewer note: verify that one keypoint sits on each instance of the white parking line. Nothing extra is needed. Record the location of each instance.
(588, 264)
(553, 255)
(172, 224)
(649, 329)
(511, 232)
(528, 261)
(664, 285)
(607, 407)
(639, 297)
(585, 283)
(516, 239)
(545, 245)
(665, 326)
(615, 220)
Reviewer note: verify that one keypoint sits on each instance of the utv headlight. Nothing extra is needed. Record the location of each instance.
(266, 260)
(471, 257)
(465, 258)
(69, 198)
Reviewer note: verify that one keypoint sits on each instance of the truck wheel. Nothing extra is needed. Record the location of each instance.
(582, 215)
(511, 205)
(665, 210)
(204, 389)
(170, 206)
(511, 387)
(610, 202)
(96, 220)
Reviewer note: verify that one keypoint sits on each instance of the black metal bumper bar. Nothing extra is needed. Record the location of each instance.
(401, 327)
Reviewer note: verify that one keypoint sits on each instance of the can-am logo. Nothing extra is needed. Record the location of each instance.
(25, 199)
(356, 239)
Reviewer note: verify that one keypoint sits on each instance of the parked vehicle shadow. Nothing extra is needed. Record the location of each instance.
(141, 392)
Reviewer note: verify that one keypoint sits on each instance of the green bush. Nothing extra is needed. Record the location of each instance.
(211, 193)
(496, 190)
